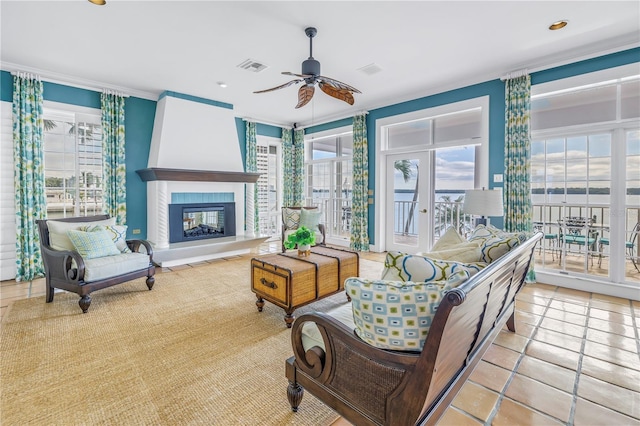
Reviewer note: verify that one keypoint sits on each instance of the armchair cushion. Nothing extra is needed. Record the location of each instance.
(93, 244)
(118, 234)
(58, 238)
(396, 314)
(110, 266)
(407, 267)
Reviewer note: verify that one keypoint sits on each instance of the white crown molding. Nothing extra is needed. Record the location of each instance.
(548, 62)
(80, 83)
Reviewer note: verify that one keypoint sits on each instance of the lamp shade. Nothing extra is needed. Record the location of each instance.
(483, 202)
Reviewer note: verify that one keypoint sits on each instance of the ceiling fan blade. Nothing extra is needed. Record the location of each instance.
(282, 86)
(297, 75)
(304, 95)
(338, 84)
(342, 94)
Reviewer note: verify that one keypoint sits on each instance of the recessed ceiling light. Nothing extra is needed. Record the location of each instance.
(222, 84)
(98, 2)
(558, 25)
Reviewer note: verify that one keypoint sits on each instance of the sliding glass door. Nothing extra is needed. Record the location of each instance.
(585, 162)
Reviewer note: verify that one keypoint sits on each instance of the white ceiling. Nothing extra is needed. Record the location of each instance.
(423, 47)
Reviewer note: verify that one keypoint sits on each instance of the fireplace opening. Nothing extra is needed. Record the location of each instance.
(197, 221)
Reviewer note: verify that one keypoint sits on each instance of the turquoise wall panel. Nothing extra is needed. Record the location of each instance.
(139, 115)
(6, 86)
(201, 197)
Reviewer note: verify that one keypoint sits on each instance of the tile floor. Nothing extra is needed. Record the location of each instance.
(574, 360)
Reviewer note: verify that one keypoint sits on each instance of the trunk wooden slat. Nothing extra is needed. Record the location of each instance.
(290, 281)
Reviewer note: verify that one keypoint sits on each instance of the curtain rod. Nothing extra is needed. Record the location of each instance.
(514, 74)
(76, 82)
(284, 126)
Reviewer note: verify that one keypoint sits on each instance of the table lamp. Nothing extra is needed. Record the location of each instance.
(484, 203)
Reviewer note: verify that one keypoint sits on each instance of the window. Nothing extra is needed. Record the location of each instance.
(584, 166)
(329, 179)
(72, 163)
(268, 186)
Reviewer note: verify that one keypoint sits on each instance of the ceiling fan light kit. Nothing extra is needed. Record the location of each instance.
(311, 76)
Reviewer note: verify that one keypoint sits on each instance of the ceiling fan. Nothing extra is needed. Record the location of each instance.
(311, 76)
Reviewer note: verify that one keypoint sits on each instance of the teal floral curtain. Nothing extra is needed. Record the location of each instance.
(287, 167)
(360, 195)
(298, 168)
(113, 158)
(517, 155)
(251, 166)
(28, 158)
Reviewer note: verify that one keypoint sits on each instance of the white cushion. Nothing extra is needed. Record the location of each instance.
(450, 238)
(58, 238)
(311, 335)
(111, 266)
(463, 252)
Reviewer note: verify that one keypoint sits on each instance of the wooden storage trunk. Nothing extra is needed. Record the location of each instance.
(290, 281)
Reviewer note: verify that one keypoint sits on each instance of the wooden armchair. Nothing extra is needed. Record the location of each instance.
(67, 270)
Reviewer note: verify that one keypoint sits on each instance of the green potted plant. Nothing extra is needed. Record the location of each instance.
(302, 238)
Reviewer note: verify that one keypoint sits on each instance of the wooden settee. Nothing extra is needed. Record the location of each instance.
(67, 270)
(372, 386)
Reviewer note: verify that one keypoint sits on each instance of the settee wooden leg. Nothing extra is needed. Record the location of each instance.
(295, 392)
(150, 282)
(84, 303)
(50, 292)
(511, 322)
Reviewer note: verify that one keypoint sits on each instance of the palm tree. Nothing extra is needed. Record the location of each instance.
(405, 167)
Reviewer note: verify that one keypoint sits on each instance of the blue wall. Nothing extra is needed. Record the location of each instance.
(140, 115)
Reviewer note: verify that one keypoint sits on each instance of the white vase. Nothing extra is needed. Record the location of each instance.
(304, 249)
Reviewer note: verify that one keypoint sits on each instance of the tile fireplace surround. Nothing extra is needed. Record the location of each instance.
(161, 183)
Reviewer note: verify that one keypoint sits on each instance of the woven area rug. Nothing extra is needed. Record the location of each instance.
(194, 350)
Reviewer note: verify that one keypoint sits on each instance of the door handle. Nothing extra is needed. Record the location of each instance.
(423, 211)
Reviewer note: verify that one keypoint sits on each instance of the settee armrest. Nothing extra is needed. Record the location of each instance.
(349, 374)
(60, 264)
(336, 333)
(134, 245)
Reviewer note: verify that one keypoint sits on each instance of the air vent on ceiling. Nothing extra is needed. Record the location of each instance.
(370, 69)
(253, 66)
